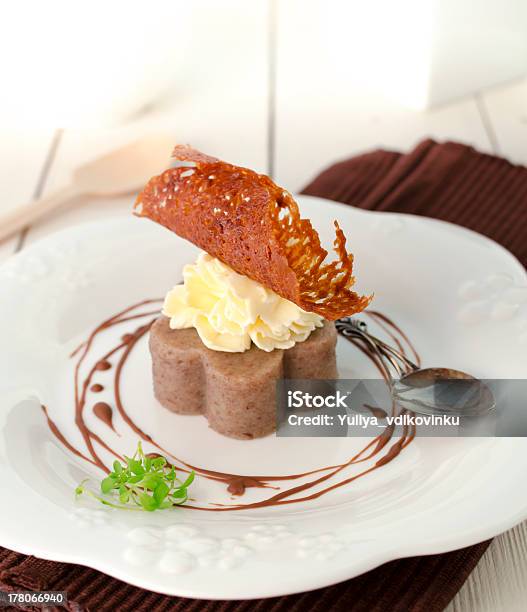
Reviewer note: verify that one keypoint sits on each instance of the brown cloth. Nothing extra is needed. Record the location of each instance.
(447, 181)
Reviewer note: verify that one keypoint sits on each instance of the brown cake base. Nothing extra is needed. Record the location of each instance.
(235, 391)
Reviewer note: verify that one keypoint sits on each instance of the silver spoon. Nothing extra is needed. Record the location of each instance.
(430, 391)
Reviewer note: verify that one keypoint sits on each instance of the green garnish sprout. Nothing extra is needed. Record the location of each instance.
(144, 483)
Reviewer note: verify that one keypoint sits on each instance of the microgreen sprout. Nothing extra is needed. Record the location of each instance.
(145, 482)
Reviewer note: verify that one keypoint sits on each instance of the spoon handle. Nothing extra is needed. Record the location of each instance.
(23, 216)
(350, 328)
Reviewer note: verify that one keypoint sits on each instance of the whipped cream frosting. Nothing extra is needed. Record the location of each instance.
(229, 311)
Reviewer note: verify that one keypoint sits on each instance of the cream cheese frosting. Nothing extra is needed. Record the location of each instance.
(229, 311)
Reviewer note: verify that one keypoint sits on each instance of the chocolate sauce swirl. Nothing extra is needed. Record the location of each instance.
(381, 448)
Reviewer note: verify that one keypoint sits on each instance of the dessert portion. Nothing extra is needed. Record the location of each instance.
(258, 303)
(234, 391)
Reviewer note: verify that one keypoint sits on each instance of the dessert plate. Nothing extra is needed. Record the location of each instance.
(459, 297)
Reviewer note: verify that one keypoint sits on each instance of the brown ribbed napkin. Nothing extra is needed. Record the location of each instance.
(447, 181)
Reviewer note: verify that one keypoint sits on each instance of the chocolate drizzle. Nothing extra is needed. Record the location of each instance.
(103, 411)
(236, 484)
(395, 333)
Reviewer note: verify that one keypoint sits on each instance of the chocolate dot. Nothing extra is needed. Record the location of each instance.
(103, 411)
(103, 365)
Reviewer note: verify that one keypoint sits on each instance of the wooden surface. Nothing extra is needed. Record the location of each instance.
(281, 107)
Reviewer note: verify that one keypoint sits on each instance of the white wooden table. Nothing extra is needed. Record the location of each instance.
(273, 104)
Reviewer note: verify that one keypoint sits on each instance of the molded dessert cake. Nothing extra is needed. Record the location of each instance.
(235, 391)
(257, 306)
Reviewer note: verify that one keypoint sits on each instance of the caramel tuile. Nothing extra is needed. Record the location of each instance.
(254, 226)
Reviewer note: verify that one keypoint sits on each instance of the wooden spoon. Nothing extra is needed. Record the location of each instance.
(119, 172)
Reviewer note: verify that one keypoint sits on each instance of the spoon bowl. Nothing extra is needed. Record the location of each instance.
(126, 169)
(443, 391)
(428, 391)
(121, 172)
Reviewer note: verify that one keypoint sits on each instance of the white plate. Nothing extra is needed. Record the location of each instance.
(461, 299)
